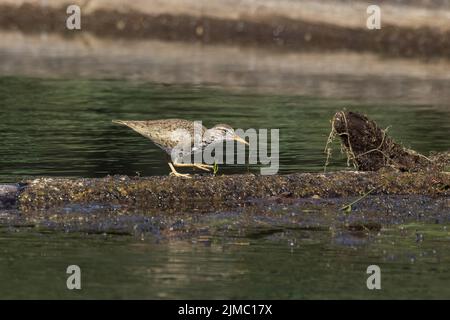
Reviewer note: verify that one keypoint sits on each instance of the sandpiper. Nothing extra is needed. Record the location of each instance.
(170, 133)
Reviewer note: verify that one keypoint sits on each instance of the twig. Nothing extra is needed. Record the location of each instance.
(348, 207)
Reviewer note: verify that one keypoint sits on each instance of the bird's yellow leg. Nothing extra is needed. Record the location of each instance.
(177, 174)
(200, 166)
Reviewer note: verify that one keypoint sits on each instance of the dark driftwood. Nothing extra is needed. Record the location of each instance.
(225, 191)
(369, 148)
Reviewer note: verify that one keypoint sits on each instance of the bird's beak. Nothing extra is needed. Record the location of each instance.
(239, 139)
(119, 122)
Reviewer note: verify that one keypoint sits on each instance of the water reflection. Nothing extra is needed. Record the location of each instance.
(292, 265)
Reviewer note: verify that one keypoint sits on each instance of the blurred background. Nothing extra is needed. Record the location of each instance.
(306, 47)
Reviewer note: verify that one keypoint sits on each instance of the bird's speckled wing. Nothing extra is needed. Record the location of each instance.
(166, 133)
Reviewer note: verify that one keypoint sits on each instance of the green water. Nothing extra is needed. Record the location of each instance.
(63, 128)
(290, 265)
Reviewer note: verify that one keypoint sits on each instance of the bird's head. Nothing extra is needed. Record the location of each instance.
(222, 132)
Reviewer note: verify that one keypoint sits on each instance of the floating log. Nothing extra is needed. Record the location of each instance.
(224, 191)
(161, 208)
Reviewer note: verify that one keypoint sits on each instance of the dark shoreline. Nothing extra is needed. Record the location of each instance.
(273, 33)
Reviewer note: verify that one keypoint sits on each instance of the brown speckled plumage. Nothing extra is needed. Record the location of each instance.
(163, 132)
(183, 137)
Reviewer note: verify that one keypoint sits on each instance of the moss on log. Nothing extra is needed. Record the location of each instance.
(225, 191)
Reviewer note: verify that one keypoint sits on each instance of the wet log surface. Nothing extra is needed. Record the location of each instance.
(224, 191)
(164, 208)
(260, 218)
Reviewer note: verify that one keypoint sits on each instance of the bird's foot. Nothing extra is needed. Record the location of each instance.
(205, 167)
(181, 175)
